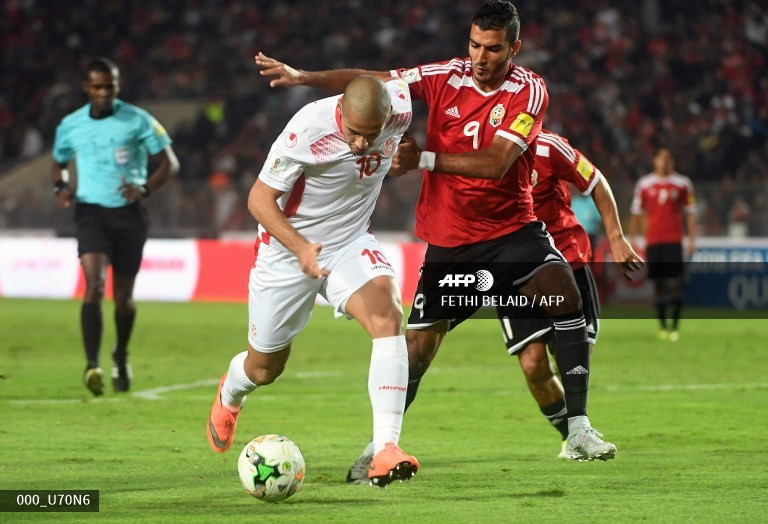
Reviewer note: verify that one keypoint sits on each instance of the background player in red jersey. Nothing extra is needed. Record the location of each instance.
(664, 196)
(558, 166)
(475, 204)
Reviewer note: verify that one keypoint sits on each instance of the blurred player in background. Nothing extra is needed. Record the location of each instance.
(313, 201)
(110, 140)
(527, 332)
(664, 196)
(485, 113)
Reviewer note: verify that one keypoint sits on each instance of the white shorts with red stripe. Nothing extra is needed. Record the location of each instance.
(281, 296)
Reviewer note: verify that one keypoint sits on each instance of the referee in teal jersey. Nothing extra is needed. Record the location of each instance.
(111, 141)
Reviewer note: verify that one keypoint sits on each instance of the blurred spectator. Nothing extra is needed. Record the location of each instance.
(624, 76)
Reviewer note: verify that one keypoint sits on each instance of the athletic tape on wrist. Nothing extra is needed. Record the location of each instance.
(427, 160)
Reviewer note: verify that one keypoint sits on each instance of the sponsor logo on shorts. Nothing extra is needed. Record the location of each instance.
(578, 370)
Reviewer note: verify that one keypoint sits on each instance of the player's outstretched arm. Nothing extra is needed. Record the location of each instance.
(262, 203)
(286, 76)
(620, 249)
(61, 188)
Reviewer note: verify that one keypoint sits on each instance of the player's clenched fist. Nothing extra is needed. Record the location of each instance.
(406, 158)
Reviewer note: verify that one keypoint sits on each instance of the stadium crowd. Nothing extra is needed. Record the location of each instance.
(624, 78)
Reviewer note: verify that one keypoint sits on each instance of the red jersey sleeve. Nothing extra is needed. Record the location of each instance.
(522, 121)
(425, 81)
(577, 170)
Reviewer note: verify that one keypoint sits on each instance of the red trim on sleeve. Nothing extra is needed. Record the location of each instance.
(294, 199)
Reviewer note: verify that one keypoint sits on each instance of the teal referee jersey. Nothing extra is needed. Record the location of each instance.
(109, 150)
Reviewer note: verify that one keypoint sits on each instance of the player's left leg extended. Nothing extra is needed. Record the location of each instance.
(572, 356)
(377, 306)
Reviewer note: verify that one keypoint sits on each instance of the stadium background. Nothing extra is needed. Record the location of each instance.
(623, 76)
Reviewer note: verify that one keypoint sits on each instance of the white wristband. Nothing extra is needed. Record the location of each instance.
(427, 160)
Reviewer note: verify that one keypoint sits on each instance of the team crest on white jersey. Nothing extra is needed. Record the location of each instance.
(497, 115)
(389, 147)
(291, 140)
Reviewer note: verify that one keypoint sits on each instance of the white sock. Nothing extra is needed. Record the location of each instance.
(237, 384)
(387, 384)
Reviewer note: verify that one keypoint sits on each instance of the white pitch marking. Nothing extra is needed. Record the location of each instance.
(156, 393)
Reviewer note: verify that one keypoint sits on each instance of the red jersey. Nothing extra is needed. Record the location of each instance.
(455, 210)
(664, 199)
(558, 165)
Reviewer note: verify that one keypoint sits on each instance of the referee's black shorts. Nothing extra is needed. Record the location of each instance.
(118, 232)
(665, 261)
(521, 253)
(521, 326)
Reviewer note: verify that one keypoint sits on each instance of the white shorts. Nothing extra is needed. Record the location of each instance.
(281, 296)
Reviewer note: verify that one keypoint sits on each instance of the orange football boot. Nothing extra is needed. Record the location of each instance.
(391, 463)
(221, 423)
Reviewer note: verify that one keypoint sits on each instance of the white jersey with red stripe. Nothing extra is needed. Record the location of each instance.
(330, 192)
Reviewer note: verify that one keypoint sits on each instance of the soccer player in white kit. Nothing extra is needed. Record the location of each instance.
(313, 200)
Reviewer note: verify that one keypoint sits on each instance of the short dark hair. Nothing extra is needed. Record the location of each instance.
(499, 14)
(102, 65)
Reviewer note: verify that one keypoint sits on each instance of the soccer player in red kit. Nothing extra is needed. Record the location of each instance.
(556, 168)
(665, 195)
(475, 204)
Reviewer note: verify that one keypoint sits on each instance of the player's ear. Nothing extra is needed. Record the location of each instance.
(516, 47)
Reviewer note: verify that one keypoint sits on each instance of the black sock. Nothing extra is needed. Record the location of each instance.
(92, 326)
(677, 307)
(124, 325)
(572, 356)
(410, 395)
(556, 415)
(661, 313)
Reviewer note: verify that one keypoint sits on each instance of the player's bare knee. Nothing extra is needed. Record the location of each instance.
(535, 364)
(262, 375)
(388, 323)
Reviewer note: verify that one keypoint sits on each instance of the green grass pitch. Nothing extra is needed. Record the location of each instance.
(690, 420)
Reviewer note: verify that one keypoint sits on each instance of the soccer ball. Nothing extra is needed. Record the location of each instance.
(271, 468)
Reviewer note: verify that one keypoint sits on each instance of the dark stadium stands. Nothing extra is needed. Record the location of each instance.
(625, 78)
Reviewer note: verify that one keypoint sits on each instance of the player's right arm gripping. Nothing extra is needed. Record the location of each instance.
(333, 81)
(278, 176)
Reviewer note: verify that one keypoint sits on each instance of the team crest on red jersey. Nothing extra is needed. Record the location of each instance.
(497, 115)
(389, 147)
